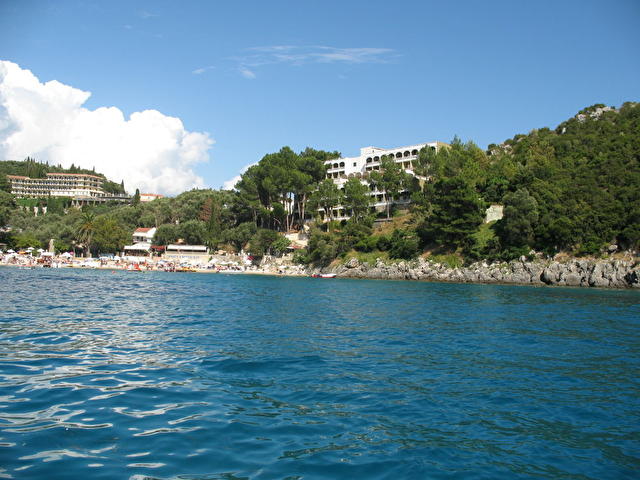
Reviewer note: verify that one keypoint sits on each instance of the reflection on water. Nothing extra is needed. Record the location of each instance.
(131, 375)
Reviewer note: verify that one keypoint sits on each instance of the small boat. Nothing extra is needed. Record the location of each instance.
(324, 275)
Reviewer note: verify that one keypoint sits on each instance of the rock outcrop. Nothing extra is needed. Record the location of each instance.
(608, 273)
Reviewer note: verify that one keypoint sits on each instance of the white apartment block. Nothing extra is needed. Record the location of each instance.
(341, 169)
(57, 185)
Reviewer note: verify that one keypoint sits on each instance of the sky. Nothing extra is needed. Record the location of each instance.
(170, 96)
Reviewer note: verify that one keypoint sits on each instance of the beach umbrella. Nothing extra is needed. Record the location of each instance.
(30, 249)
(11, 251)
(40, 250)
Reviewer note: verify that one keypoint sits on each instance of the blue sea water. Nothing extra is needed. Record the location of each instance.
(166, 376)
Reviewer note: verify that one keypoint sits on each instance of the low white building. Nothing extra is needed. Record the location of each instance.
(142, 239)
(149, 197)
(144, 235)
(193, 254)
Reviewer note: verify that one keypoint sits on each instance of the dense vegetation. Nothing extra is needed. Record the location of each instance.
(573, 189)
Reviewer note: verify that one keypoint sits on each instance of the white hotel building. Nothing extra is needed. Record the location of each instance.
(341, 169)
(82, 188)
(57, 185)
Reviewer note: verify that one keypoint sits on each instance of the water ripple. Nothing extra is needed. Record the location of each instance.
(160, 376)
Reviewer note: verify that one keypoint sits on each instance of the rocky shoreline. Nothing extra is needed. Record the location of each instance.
(604, 273)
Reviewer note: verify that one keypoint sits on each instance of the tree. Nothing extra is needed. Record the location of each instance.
(7, 204)
(457, 213)
(109, 236)
(247, 202)
(323, 247)
(311, 164)
(356, 198)
(352, 234)
(193, 232)
(326, 197)
(86, 230)
(516, 228)
(262, 240)
(458, 159)
(25, 240)
(239, 236)
(211, 215)
(403, 244)
(166, 234)
(279, 181)
(163, 211)
(136, 197)
(280, 245)
(5, 186)
(391, 179)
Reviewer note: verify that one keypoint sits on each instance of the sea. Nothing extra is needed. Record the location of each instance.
(144, 375)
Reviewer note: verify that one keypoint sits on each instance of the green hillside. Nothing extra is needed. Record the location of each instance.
(573, 189)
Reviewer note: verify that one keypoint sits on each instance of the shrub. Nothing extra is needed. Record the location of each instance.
(403, 245)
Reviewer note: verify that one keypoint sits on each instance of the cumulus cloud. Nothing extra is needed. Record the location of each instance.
(230, 184)
(149, 150)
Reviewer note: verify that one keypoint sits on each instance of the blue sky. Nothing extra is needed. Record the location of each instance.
(336, 75)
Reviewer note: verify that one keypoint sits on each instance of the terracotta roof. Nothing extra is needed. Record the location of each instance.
(76, 175)
(142, 230)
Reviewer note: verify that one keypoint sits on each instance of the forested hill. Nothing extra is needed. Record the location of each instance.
(574, 189)
(34, 169)
(584, 178)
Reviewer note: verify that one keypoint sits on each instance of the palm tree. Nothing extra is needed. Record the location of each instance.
(85, 231)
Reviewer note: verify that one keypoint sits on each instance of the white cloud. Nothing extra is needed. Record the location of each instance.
(231, 183)
(147, 15)
(301, 55)
(246, 73)
(149, 150)
(201, 70)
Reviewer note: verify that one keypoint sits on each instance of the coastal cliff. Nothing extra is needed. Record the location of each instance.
(606, 273)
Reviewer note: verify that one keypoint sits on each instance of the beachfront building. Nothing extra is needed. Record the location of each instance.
(143, 235)
(192, 254)
(142, 240)
(369, 160)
